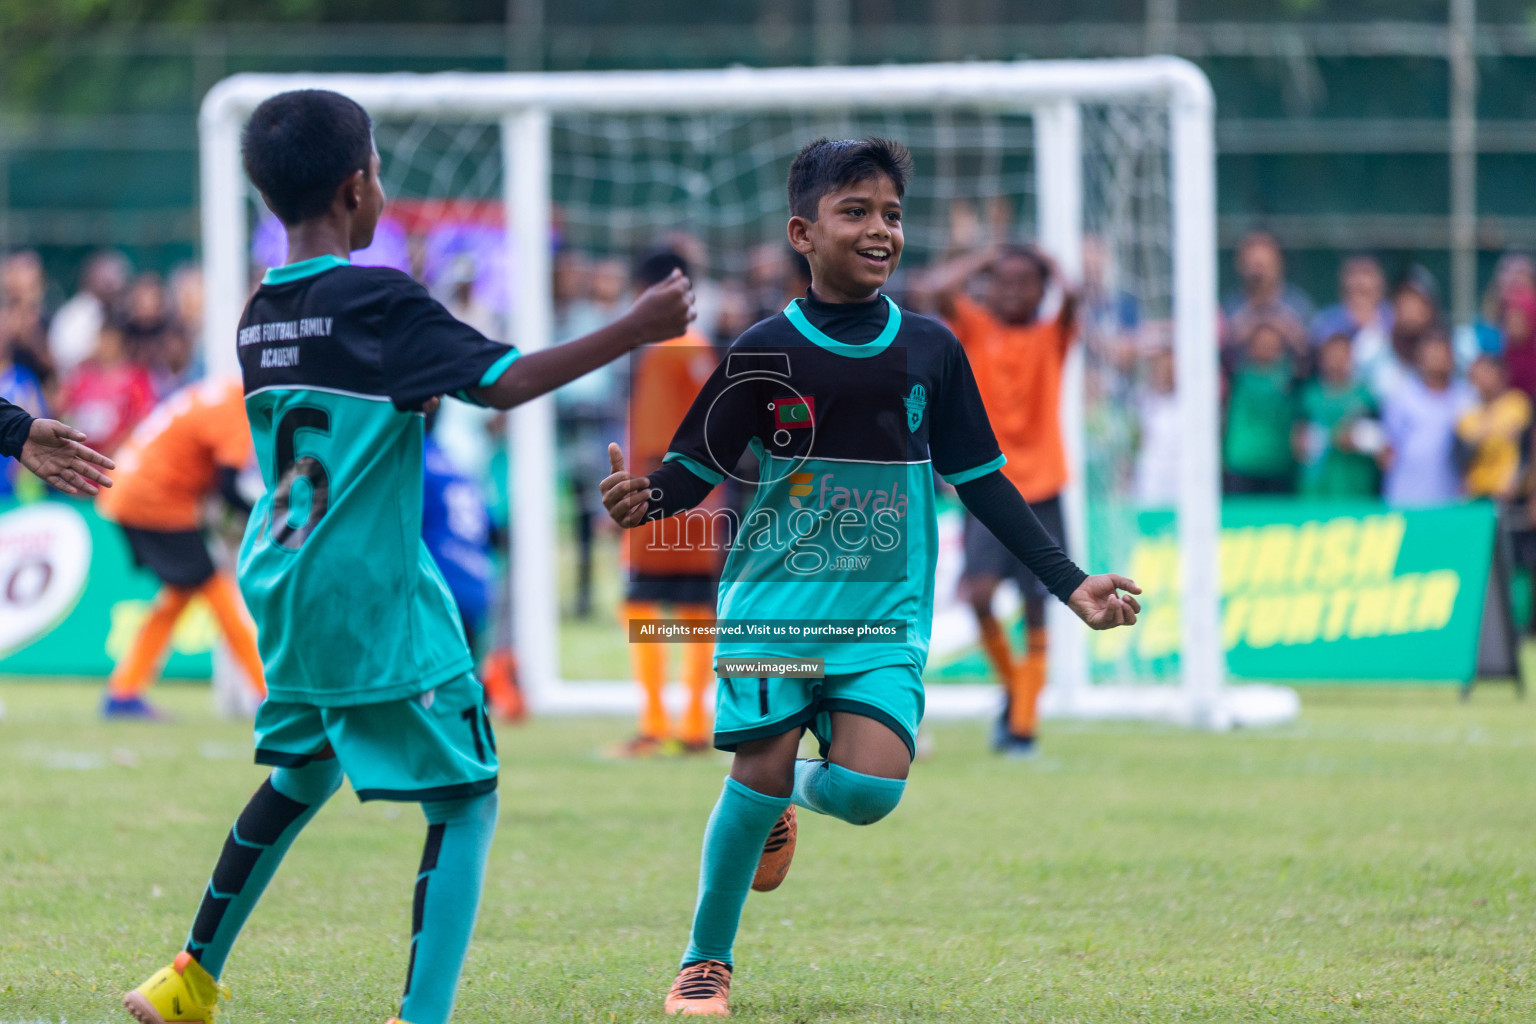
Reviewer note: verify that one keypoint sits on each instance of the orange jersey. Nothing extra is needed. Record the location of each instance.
(171, 461)
(1018, 369)
(667, 378)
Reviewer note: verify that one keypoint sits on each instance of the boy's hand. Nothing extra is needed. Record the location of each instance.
(663, 311)
(626, 497)
(1097, 601)
(53, 451)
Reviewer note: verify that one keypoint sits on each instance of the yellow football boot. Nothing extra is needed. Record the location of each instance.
(182, 993)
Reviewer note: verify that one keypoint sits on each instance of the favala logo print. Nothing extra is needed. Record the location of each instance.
(830, 495)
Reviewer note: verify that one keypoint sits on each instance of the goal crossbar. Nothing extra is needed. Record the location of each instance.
(1052, 91)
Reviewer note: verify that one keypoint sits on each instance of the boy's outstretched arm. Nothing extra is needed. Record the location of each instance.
(997, 504)
(661, 312)
(53, 451)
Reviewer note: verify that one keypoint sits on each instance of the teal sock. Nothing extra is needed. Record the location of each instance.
(447, 900)
(273, 818)
(733, 844)
(852, 796)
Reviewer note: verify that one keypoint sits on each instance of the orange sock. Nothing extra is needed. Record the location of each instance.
(649, 664)
(1023, 707)
(995, 644)
(698, 672)
(229, 610)
(135, 672)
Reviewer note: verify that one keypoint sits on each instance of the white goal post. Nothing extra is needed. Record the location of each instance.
(1050, 92)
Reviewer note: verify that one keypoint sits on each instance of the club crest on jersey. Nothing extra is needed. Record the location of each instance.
(916, 402)
(794, 413)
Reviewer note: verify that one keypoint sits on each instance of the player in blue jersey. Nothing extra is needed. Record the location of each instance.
(368, 673)
(456, 525)
(850, 404)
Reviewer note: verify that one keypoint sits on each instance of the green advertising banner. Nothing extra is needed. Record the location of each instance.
(71, 599)
(1321, 591)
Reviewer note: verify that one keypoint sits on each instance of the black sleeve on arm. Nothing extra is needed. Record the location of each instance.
(15, 425)
(674, 489)
(229, 490)
(428, 352)
(997, 504)
(720, 423)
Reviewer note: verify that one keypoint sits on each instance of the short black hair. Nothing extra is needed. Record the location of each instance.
(656, 266)
(299, 146)
(826, 164)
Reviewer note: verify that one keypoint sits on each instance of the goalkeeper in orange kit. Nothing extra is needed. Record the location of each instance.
(192, 446)
(674, 567)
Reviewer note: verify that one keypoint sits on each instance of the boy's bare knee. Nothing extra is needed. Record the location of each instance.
(767, 766)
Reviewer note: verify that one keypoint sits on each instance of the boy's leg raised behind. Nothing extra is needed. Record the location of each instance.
(868, 729)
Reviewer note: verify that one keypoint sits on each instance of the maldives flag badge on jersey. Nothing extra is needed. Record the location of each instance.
(793, 413)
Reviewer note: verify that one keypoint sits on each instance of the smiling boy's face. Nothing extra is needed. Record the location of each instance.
(855, 241)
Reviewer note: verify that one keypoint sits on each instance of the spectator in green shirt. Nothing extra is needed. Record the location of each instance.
(1338, 436)
(1261, 408)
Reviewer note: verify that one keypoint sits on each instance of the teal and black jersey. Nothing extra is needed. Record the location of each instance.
(849, 409)
(338, 361)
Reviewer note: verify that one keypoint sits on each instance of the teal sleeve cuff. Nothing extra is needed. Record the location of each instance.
(694, 466)
(498, 368)
(966, 476)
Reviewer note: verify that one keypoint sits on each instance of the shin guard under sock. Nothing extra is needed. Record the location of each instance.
(447, 900)
(733, 844)
(851, 796)
(275, 815)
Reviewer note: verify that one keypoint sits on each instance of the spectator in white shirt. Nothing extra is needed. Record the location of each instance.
(72, 335)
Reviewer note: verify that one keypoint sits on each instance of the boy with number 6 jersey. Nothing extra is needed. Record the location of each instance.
(368, 673)
(850, 403)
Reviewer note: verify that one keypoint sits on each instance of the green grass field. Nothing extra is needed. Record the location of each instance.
(1372, 862)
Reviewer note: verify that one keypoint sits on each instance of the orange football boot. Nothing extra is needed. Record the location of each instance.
(701, 990)
(778, 851)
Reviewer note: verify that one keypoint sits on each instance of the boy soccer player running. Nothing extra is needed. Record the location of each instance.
(1019, 360)
(368, 674)
(850, 404)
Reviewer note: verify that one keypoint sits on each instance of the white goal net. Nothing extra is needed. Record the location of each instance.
(1108, 166)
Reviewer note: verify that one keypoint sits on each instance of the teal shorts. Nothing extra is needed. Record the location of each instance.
(751, 709)
(437, 745)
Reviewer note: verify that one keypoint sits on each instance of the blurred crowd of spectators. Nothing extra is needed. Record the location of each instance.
(102, 357)
(1377, 394)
